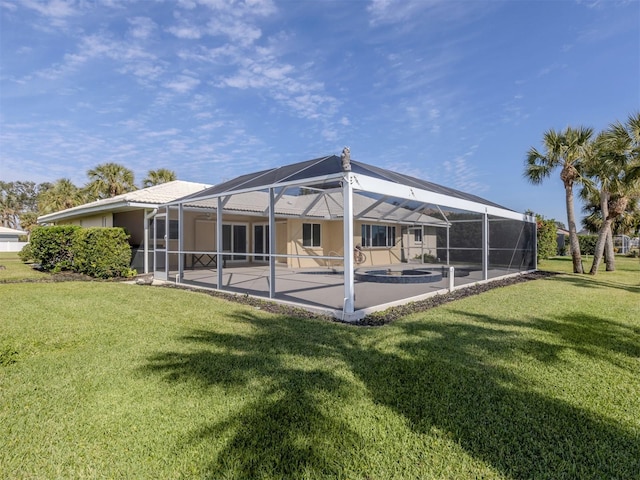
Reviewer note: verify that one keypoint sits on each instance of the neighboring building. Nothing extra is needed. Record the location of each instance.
(563, 241)
(11, 234)
(10, 239)
(132, 211)
(621, 244)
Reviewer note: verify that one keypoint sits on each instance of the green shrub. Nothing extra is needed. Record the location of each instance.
(429, 258)
(547, 237)
(26, 254)
(52, 247)
(97, 252)
(587, 244)
(102, 252)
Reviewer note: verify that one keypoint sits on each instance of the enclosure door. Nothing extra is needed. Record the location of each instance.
(160, 246)
(261, 241)
(234, 240)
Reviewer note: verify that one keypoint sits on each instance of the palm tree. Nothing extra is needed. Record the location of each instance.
(61, 195)
(156, 177)
(9, 205)
(616, 172)
(567, 150)
(108, 180)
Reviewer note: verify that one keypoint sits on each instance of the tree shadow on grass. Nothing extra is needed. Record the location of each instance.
(436, 377)
(282, 431)
(589, 335)
(446, 381)
(588, 281)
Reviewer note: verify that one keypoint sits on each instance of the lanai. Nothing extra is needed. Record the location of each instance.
(292, 219)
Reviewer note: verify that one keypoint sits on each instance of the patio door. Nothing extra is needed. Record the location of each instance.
(159, 233)
(234, 240)
(261, 241)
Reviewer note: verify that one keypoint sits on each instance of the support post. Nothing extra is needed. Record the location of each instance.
(535, 242)
(272, 243)
(452, 278)
(349, 284)
(166, 242)
(485, 246)
(180, 243)
(219, 257)
(448, 228)
(146, 241)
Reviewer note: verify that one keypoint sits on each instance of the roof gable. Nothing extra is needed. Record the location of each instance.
(150, 197)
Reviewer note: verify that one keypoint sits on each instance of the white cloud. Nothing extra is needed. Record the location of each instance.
(182, 83)
(54, 9)
(8, 5)
(238, 32)
(185, 31)
(163, 133)
(395, 11)
(459, 173)
(142, 27)
(131, 58)
(240, 8)
(425, 14)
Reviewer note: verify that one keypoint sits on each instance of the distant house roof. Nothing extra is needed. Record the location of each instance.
(11, 232)
(149, 197)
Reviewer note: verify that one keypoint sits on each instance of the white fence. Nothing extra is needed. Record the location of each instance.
(11, 246)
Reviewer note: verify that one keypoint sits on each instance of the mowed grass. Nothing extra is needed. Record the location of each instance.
(108, 380)
(14, 270)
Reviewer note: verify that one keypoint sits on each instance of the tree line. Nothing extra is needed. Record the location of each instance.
(605, 166)
(22, 202)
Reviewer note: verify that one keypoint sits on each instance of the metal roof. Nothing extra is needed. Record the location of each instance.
(325, 167)
(325, 205)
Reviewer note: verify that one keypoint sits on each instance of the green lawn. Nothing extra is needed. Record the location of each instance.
(107, 380)
(15, 270)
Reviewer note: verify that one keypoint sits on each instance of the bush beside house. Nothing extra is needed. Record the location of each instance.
(547, 237)
(587, 244)
(97, 252)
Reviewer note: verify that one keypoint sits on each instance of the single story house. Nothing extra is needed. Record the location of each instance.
(131, 211)
(11, 234)
(10, 239)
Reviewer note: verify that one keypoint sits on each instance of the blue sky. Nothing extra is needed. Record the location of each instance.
(454, 92)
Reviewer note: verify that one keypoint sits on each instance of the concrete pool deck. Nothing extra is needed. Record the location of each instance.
(322, 289)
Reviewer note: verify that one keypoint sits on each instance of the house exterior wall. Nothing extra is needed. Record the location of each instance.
(101, 220)
(11, 245)
(199, 235)
(416, 251)
(133, 223)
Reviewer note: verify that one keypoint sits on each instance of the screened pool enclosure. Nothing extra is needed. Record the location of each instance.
(338, 236)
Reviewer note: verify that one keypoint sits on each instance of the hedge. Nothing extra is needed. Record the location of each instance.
(547, 237)
(102, 252)
(97, 252)
(52, 247)
(587, 244)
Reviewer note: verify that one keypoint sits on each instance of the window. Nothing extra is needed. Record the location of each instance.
(417, 236)
(378, 236)
(310, 234)
(173, 228)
